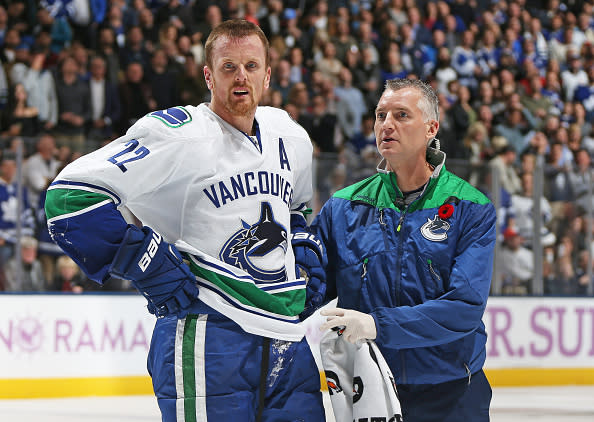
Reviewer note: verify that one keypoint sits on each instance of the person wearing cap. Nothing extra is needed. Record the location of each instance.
(516, 263)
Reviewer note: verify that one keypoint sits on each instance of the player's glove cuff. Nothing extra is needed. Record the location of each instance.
(310, 262)
(156, 269)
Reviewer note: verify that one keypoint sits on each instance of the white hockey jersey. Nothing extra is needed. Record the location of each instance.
(216, 192)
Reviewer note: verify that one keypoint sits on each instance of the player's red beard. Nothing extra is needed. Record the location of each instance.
(239, 106)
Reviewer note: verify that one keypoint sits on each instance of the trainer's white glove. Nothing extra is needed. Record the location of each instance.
(354, 325)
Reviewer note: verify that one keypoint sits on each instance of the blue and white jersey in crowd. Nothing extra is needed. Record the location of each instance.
(10, 213)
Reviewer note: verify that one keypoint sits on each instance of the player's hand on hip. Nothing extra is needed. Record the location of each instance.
(354, 326)
(157, 270)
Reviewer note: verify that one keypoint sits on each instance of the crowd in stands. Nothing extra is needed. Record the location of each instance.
(515, 79)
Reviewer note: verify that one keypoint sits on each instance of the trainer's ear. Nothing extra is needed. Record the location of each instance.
(432, 128)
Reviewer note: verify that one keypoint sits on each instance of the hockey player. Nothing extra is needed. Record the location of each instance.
(219, 188)
(410, 252)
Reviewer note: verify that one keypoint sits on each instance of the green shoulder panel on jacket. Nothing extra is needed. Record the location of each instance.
(372, 191)
(376, 191)
(448, 184)
(65, 201)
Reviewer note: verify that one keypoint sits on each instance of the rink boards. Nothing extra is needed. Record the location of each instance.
(96, 345)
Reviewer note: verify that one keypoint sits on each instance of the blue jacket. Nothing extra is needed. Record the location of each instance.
(424, 279)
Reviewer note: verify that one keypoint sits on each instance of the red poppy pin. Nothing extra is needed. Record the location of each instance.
(445, 211)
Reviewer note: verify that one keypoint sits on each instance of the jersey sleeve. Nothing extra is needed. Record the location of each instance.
(82, 202)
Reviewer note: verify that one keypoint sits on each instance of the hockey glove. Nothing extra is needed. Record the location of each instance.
(310, 261)
(354, 326)
(156, 269)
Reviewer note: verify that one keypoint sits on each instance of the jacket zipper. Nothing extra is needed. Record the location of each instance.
(432, 270)
(364, 273)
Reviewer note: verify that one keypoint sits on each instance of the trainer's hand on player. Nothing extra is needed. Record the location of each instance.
(357, 325)
(156, 269)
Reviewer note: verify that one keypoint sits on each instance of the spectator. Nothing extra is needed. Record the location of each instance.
(503, 165)
(444, 73)
(162, 81)
(73, 106)
(271, 22)
(40, 168)
(68, 277)
(207, 21)
(31, 276)
(324, 130)
(574, 76)
(23, 119)
(134, 49)
(584, 94)
(368, 78)
(81, 55)
(343, 40)
(329, 64)
(465, 61)
(581, 120)
(488, 54)
(391, 65)
(41, 89)
(517, 124)
(361, 151)
(114, 20)
(136, 96)
(565, 281)
(350, 106)
(176, 13)
(580, 180)
(108, 49)
(516, 264)
(475, 147)
(552, 90)
(462, 116)
(105, 102)
(150, 31)
(366, 41)
(523, 206)
(537, 104)
(194, 90)
(9, 209)
(299, 72)
(557, 188)
(280, 79)
(582, 280)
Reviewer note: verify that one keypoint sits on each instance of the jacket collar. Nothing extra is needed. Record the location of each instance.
(434, 156)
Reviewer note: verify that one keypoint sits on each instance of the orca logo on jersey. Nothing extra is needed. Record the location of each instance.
(258, 245)
(151, 250)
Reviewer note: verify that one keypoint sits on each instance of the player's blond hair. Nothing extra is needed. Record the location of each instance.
(234, 29)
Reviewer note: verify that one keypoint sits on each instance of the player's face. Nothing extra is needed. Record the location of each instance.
(238, 77)
(401, 132)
